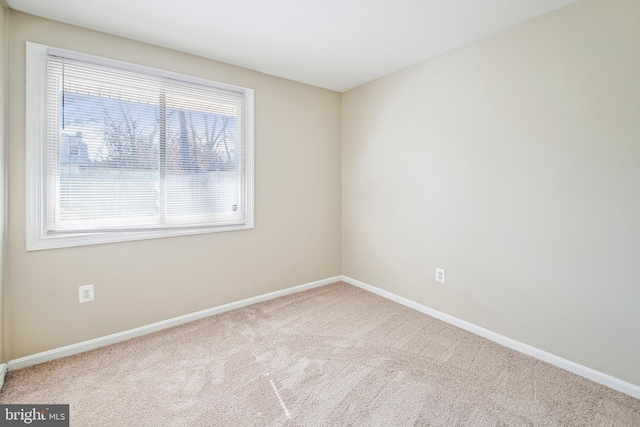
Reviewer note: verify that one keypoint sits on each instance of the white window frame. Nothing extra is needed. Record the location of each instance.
(37, 236)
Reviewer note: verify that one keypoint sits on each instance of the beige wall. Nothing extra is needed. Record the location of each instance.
(297, 211)
(3, 133)
(514, 163)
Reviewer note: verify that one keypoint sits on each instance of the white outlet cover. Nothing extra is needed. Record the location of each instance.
(85, 293)
(441, 275)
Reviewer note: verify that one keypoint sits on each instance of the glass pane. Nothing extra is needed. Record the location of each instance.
(108, 163)
(202, 172)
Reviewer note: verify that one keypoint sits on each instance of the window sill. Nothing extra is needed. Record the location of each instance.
(35, 243)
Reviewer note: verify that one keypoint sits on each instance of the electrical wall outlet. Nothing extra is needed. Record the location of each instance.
(86, 293)
(440, 275)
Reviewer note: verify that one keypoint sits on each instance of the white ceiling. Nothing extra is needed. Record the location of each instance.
(335, 44)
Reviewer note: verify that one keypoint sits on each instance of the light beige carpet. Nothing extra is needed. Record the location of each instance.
(330, 356)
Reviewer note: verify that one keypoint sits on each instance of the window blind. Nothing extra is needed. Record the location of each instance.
(125, 150)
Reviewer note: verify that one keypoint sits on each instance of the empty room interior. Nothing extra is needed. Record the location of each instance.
(321, 213)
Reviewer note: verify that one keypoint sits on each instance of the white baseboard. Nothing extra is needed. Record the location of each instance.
(3, 372)
(599, 377)
(583, 371)
(69, 350)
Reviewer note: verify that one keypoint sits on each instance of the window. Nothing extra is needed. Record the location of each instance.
(121, 152)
